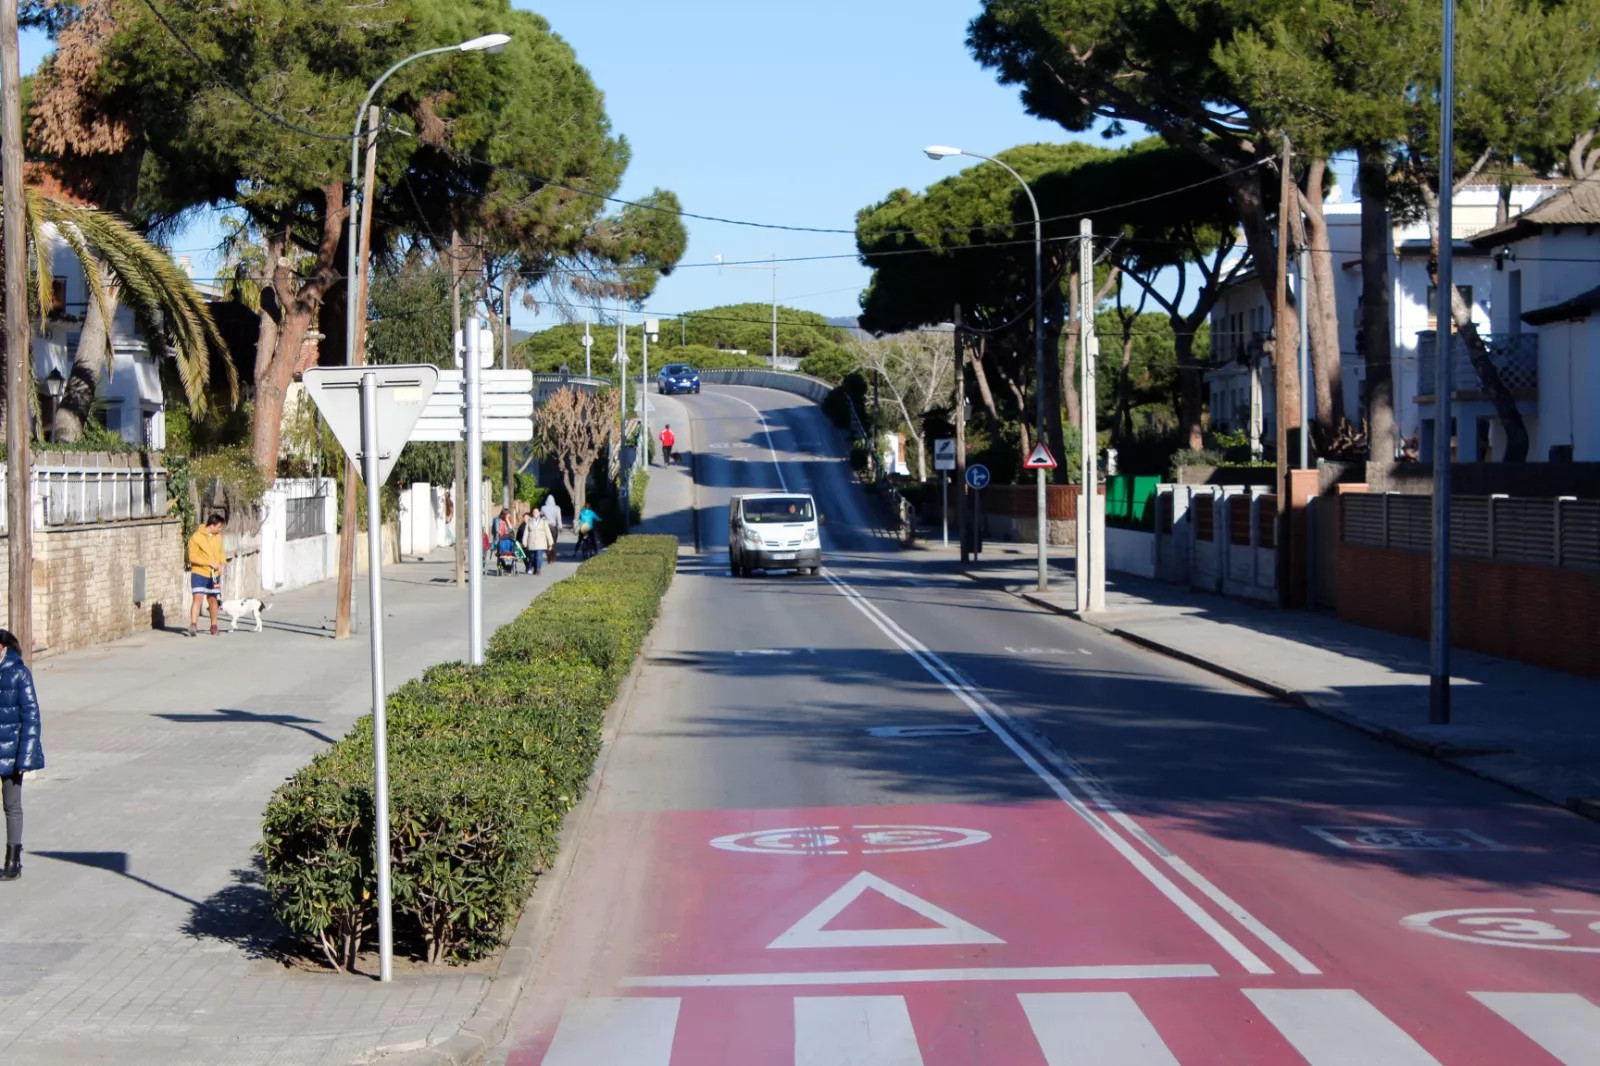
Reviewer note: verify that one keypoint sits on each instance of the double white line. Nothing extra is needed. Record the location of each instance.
(1088, 802)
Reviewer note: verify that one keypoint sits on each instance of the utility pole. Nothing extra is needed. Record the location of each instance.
(1302, 291)
(1089, 566)
(456, 456)
(1443, 409)
(588, 343)
(961, 438)
(774, 310)
(508, 279)
(357, 324)
(19, 456)
(1281, 365)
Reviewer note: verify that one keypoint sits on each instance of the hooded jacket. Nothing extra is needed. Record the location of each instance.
(20, 749)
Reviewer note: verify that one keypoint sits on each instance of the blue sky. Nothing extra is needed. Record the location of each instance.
(792, 113)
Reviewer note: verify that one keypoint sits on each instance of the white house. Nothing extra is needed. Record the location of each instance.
(130, 400)
(1546, 285)
(1243, 317)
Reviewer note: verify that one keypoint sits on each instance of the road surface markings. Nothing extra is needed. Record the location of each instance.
(858, 839)
(619, 1032)
(1094, 1028)
(951, 975)
(1038, 653)
(1510, 927)
(1328, 1027)
(952, 729)
(1068, 782)
(854, 1031)
(1403, 838)
(808, 932)
(1336, 1027)
(1565, 1025)
(771, 448)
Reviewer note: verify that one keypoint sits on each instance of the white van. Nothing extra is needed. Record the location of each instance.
(773, 531)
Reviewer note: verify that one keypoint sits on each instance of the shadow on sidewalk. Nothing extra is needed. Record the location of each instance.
(230, 716)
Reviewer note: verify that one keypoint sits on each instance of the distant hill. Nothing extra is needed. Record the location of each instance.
(848, 322)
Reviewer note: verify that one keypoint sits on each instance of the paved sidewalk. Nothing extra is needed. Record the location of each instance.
(1530, 728)
(140, 933)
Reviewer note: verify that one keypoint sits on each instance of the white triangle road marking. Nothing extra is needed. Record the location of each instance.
(808, 932)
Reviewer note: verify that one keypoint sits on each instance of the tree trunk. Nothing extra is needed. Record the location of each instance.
(1377, 331)
(1263, 245)
(83, 379)
(1321, 308)
(1191, 396)
(981, 377)
(1505, 405)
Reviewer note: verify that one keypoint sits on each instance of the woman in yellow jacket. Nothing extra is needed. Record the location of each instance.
(206, 561)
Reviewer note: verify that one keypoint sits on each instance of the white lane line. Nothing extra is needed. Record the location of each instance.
(1159, 972)
(972, 697)
(1093, 1028)
(617, 1032)
(1564, 1024)
(1087, 785)
(765, 432)
(1336, 1027)
(854, 1031)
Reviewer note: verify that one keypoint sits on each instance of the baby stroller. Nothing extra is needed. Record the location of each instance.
(507, 555)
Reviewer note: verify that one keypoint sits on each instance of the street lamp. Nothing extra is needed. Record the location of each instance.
(491, 43)
(942, 151)
(55, 386)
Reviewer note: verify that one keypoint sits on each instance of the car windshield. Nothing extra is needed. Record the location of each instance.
(674, 369)
(779, 509)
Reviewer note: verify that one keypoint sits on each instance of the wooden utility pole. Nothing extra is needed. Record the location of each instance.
(1281, 365)
(508, 279)
(458, 493)
(358, 356)
(960, 472)
(19, 458)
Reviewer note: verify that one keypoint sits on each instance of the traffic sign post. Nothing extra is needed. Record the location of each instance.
(977, 480)
(1040, 458)
(371, 410)
(944, 461)
(472, 413)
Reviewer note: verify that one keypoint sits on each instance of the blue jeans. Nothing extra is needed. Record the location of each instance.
(538, 559)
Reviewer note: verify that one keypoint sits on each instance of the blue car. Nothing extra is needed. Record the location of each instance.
(677, 377)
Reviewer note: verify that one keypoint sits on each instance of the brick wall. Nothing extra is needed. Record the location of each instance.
(1536, 614)
(83, 580)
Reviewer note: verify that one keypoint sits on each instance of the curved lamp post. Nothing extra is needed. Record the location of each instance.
(941, 151)
(494, 44)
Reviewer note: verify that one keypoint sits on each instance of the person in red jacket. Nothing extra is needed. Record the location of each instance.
(667, 442)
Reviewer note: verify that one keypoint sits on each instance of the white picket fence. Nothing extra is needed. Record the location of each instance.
(90, 493)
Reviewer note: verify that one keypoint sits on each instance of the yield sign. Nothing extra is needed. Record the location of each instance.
(1040, 458)
(808, 932)
(401, 395)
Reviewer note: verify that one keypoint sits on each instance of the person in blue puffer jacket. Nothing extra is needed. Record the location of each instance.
(20, 750)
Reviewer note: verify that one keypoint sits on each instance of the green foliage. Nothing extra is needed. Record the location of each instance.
(1194, 457)
(527, 487)
(705, 339)
(95, 438)
(485, 762)
(831, 364)
(410, 317)
(229, 476)
(636, 491)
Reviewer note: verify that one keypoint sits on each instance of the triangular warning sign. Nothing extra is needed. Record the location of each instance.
(1040, 458)
(808, 932)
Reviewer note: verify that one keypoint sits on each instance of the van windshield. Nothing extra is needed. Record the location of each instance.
(779, 509)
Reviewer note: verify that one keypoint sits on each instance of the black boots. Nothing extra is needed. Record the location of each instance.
(13, 867)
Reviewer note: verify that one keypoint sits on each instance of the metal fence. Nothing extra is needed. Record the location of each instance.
(69, 494)
(1563, 532)
(1514, 356)
(304, 516)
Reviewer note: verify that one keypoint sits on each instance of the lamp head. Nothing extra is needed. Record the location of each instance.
(55, 384)
(493, 43)
(940, 151)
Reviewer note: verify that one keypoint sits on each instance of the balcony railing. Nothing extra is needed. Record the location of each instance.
(1515, 356)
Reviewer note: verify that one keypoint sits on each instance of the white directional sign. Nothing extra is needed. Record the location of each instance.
(485, 347)
(944, 454)
(403, 393)
(506, 397)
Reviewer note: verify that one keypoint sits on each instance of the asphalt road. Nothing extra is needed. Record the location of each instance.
(884, 817)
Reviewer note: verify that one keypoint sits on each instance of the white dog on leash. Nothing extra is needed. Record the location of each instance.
(237, 609)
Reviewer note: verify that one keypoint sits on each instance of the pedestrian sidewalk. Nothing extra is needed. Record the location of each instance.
(1532, 729)
(140, 932)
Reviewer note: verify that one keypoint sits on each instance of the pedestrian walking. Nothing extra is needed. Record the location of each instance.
(552, 515)
(206, 563)
(20, 749)
(668, 440)
(536, 540)
(588, 524)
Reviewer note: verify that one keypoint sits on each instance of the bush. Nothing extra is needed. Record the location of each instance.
(485, 762)
(636, 491)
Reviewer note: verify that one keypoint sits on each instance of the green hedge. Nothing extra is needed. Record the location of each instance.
(484, 763)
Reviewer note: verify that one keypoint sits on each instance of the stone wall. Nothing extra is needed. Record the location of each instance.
(83, 582)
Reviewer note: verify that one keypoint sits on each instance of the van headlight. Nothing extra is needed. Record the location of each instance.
(811, 536)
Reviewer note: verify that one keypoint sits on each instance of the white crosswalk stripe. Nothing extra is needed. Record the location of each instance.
(854, 1031)
(1336, 1027)
(1091, 1028)
(616, 1032)
(1565, 1025)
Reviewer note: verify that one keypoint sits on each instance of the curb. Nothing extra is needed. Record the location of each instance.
(486, 1026)
(1450, 754)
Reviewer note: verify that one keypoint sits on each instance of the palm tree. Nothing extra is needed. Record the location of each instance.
(119, 264)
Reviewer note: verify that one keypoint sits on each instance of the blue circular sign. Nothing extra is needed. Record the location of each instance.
(978, 475)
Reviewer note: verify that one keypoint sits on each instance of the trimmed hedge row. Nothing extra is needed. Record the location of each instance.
(484, 763)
